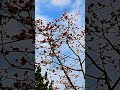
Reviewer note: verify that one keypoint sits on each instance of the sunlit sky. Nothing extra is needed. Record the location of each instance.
(49, 10)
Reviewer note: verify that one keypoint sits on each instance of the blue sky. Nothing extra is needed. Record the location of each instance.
(49, 10)
(52, 9)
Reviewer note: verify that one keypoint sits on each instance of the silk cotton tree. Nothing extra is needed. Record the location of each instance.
(60, 49)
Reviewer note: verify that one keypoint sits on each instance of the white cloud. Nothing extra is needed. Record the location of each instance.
(60, 3)
(77, 6)
(44, 18)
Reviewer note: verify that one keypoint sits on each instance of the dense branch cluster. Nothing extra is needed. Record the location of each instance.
(58, 48)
